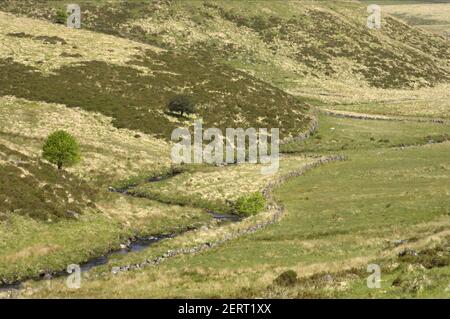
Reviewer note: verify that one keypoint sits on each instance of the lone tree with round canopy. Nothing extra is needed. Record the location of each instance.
(61, 149)
(181, 104)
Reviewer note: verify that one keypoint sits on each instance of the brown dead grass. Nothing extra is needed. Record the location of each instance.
(47, 56)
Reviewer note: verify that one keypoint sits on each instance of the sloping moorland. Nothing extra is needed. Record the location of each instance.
(315, 50)
(433, 17)
(384, 199)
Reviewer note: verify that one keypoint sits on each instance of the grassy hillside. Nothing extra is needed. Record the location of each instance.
(51, 218)
(294, 31)
(112, 97)
(321, 51)
(133, 82)
(35, 189)
(108, 154)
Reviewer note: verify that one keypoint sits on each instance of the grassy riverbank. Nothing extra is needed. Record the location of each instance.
(339, 217)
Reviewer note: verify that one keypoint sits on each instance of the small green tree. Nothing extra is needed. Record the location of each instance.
(61, 149)
(182, 104)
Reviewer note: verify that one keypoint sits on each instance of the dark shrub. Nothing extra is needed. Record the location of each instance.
(181, 104)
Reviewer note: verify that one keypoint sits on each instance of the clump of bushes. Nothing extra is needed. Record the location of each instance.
(61, 16)
(250, 205)
(428, 258)
(61, 149)
(181, 104)
(287, 279)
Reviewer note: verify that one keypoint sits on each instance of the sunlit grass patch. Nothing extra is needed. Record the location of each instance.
(49, 46)
(427, 102)
(336, 134)
(146, 217)
(216, 188)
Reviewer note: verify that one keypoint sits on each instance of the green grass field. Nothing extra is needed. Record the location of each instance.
(340, 134)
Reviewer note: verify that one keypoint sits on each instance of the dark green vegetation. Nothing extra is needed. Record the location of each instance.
(45, 39)
(33, 188)
(287, 278)
(61, 149)
(138, 101)
(182, 104)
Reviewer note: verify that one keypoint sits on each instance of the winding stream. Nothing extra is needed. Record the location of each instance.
(134, 245)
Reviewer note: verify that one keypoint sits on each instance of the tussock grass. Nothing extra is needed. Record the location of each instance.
(216, 188)
(149, 218)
